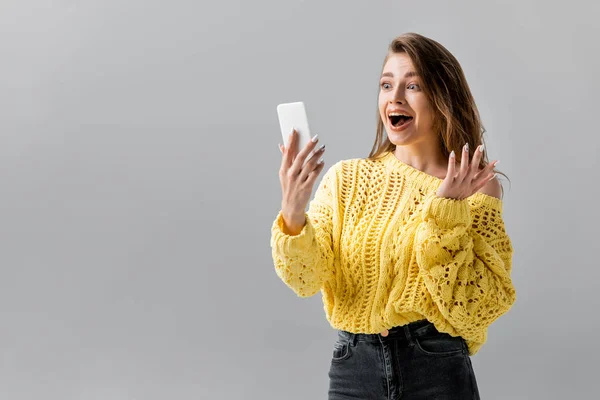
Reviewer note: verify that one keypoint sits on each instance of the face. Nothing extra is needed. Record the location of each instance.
(401, 92)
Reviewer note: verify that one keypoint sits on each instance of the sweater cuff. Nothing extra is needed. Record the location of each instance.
(287, 242)
(447, 213)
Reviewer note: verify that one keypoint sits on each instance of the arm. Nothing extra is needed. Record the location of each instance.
(305, 261)
(465, 258)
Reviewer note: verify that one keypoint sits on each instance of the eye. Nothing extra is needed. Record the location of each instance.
(383, 85)
(413, 84)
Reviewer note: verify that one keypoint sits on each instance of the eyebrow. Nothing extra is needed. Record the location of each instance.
(409, 74)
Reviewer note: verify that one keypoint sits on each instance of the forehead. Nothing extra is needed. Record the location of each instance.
(398, 64)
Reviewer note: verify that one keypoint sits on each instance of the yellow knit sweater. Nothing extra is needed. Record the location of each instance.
(384, 250)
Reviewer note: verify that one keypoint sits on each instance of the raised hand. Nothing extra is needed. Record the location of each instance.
(297, 180)
(469, 178)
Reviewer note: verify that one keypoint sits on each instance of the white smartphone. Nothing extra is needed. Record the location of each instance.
(293, 116)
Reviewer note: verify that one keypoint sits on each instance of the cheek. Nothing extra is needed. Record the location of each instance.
(423, 109)
(426, 120)
(381, 107)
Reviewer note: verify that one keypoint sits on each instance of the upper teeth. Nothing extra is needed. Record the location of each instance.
(397, 115)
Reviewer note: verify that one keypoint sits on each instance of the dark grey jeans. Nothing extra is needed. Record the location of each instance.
(414, 361)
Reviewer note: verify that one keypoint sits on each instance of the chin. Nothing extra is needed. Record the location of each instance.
(402, 137)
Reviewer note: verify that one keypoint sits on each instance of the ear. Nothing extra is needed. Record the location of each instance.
(492, 188)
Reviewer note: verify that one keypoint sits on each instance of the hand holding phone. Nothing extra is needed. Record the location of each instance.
(298, 172)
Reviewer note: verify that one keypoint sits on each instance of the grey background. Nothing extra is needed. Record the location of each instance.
(138, 173)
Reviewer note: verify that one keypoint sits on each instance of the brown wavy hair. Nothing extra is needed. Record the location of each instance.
(456, 116)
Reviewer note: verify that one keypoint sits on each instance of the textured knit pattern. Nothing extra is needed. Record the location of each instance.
(384, 250)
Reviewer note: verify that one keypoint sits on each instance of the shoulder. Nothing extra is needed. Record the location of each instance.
(492, 188)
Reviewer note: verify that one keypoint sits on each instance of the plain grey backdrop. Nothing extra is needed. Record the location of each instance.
(139, 181)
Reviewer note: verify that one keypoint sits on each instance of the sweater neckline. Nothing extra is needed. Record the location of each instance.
(392, 163)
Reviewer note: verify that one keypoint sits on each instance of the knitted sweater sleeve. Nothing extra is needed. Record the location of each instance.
(305, 261)
(465, 258)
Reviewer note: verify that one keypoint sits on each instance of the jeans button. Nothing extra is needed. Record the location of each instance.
(384, 333)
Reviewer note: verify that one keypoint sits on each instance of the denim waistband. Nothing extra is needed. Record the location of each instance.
(412, 329)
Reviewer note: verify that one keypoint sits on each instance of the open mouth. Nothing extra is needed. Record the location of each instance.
(399, 120)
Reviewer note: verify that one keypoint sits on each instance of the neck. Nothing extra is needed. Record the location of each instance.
(428, 159)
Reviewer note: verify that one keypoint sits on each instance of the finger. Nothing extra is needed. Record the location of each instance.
(464, 162)
(290, 150)
(314, 173)
(280, 148)
(451, 165)
(312, 163)
(299, 160)
(477, 154)
(486, 179)
(484, 174)
(486, 170)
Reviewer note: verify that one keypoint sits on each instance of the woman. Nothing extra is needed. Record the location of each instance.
(407, 246)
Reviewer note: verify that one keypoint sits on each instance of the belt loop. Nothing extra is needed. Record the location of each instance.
(408, 335)
(353, 337)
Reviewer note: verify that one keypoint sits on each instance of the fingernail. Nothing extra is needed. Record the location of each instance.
(292, 132)
(320, 161)
(481, 148)
(452, 153)
(496, 163)
(467, 146)
(280, 148)
(314, 139)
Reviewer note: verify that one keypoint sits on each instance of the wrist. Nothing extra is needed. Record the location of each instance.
(293, 224)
